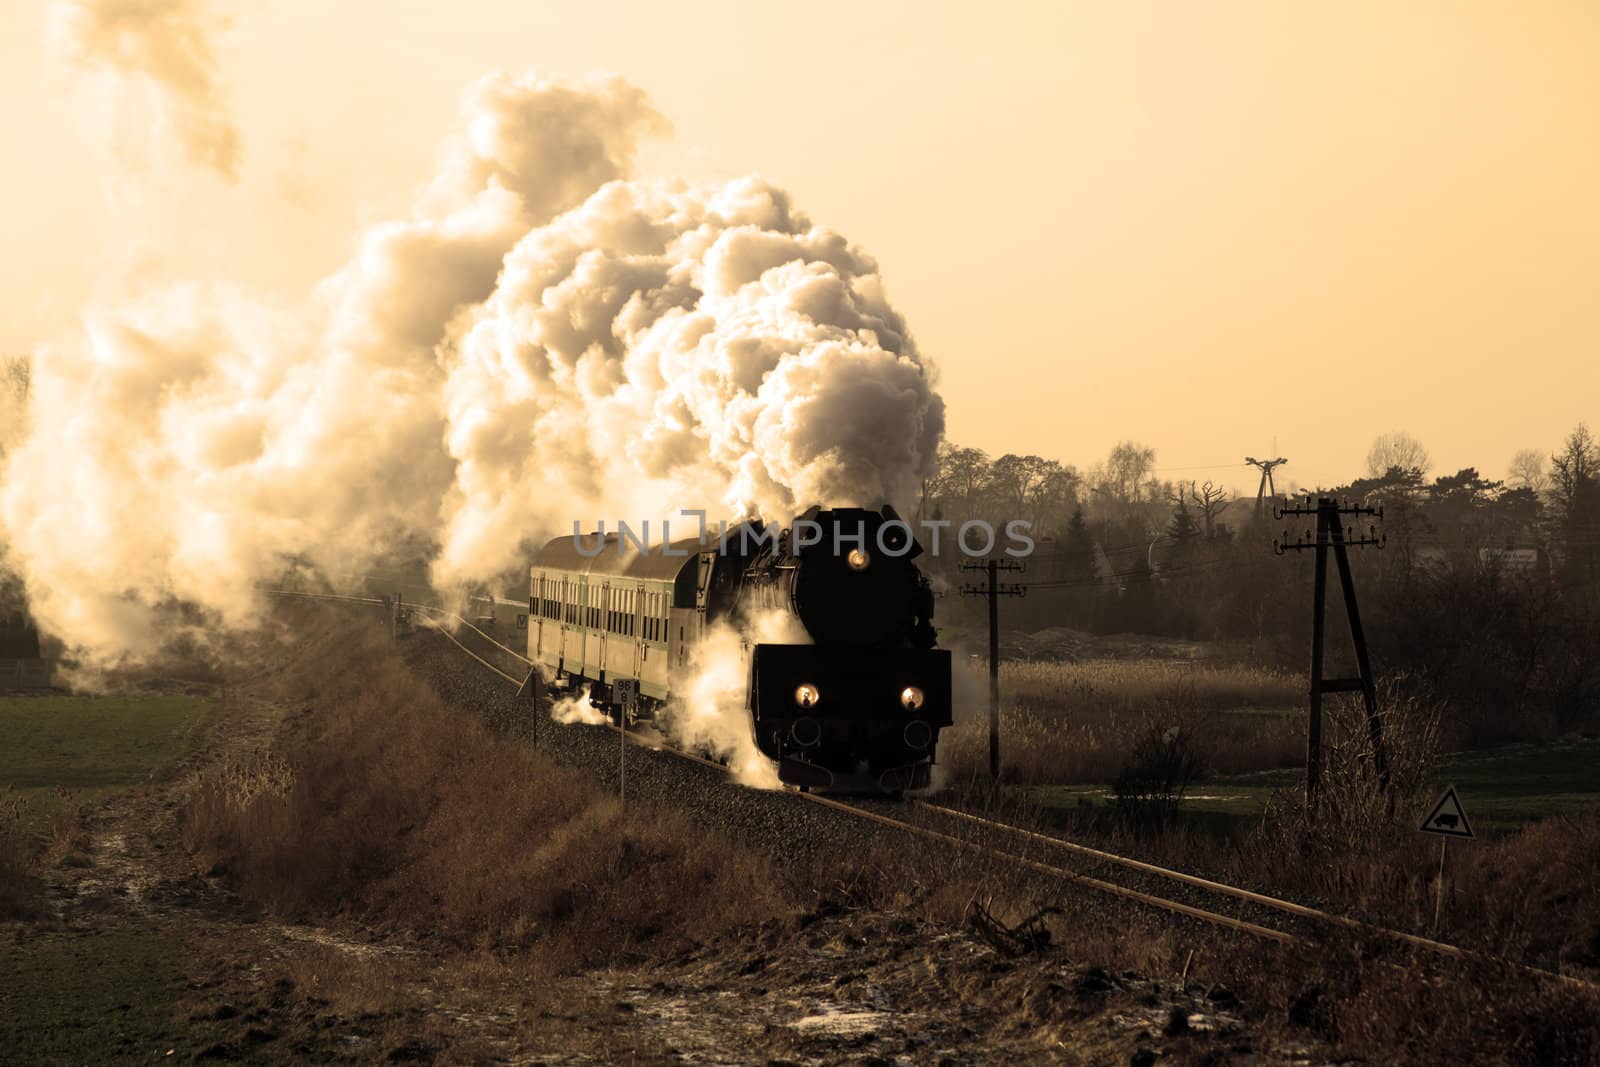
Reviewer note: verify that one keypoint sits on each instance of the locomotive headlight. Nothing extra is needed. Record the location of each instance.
(807, 695)
(911, 698)
(858, 559)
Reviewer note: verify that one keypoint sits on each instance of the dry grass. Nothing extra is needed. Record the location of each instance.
(1079, 722)
(1122, 686)
(69, 825)
(352, 983)
(1383, 1010)
(387, 804)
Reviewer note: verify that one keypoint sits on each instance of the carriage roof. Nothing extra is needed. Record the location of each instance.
(562, 554)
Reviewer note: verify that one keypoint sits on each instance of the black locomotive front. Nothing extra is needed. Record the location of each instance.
(861, 707)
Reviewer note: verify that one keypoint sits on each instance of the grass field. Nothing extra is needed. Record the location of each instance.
(1501, 789)
(1068, 729)
(90, 746)
(96, 997)
(90, 996)
(1076, 723)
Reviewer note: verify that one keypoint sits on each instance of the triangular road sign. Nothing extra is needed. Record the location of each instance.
(1446, 817)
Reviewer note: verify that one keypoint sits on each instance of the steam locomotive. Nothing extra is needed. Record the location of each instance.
(858, 707)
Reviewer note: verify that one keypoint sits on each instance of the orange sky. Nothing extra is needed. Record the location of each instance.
(1205, 226)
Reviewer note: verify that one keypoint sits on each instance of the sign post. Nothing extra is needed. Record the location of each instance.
(1447, 819)
(530, 691)
(624, 693)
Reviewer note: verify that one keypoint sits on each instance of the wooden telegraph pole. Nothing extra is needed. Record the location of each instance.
(994, 591)
(1332, 535)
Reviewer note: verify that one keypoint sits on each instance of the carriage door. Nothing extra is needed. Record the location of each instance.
(536, 604)
(565, 609)
(605, 625)
(636, 628)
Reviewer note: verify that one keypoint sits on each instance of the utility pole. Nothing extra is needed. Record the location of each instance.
(1332, 534)
(994, 591)
(531, 693)
(1266, 466)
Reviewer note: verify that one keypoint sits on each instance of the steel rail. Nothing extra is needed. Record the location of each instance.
(1288, 906)
(1223, 888)
(1075, 877)
(453, 640)
(452, 615)
(1280, 936)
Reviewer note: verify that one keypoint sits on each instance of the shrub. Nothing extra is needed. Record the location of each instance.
(382, 801)
(1152, 783)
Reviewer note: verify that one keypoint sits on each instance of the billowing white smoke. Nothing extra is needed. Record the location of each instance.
(575, 708)
(189, 440)
(710, 712)
(167, 44)
(664, 346)
(542, 341)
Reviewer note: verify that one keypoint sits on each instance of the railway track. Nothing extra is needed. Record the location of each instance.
(1095, 870)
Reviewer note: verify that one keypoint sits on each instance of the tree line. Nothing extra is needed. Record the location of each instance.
(1487, 590)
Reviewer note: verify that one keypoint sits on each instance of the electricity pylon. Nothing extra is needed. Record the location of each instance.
(1266, 466)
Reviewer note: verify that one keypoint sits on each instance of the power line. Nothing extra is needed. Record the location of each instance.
(1198, 467)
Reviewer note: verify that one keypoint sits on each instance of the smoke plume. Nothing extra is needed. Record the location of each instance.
(167, 44)
(544, 339)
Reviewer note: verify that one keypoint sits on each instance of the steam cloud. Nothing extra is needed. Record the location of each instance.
(543, 339)
(168, 43)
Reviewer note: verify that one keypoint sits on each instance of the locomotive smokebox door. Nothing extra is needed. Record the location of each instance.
(825, 713)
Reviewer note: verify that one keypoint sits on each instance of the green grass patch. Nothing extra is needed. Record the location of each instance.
(90, 745)
(1501, 789)
(104, 997)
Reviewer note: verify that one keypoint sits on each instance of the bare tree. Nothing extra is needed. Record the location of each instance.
(1575, 470)
(1210, 499)
(1527, 470)
(1127, 472)
(1396, 450)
